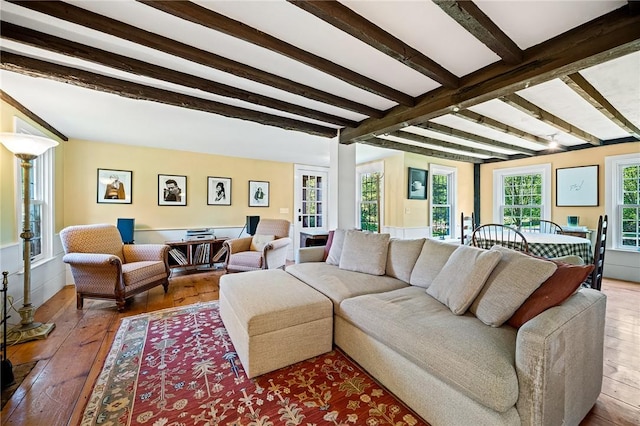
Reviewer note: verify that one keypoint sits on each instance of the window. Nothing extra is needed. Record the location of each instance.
(370, 191)
(623, 204)
(522, 196)
(443, 190)
(40, 213)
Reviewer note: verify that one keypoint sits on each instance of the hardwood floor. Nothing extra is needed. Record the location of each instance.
(56, 390)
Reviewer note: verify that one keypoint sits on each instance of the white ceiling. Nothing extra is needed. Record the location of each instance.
(81, 113)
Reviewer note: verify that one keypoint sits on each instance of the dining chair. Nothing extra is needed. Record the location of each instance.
(550, 227)
(486, 236)
(595, 279)
(467, 226)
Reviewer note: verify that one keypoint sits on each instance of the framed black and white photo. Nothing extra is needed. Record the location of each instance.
(172, 190)
(114, 186)
(218, 191)
(417, 184)
(258, 193)
(577, 186)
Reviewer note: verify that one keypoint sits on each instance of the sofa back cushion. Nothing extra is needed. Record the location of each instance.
(335, 251)
(364, 252)
(513, 280)
(432, 258)
(402, 257)
(463, 276)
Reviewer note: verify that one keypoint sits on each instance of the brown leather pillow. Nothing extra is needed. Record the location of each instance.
(555, 290)
(327, 247)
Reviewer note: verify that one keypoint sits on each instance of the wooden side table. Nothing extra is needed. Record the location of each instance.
(586, 233)
(313, 238)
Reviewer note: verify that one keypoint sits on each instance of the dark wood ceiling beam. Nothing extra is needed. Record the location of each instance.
(97, 22)
(590, 94)
(474, 20)
(216, 21)
(398, 146)
(444, 144)
(26, 111)
(124, 63)
(490, 123)
(535, 111)
(605, 38)
(89, 80)
(340, 16)
(471, 137)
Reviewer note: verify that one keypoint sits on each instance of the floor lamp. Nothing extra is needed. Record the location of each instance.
(26, 148)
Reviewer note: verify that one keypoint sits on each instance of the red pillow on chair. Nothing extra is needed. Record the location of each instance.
(327, 247)
(555, 290)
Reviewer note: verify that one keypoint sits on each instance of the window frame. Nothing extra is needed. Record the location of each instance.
(452, 180)
(498, 188)
(613, 201)
(374, 167)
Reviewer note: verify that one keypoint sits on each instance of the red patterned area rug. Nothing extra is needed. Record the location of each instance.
(179, 367)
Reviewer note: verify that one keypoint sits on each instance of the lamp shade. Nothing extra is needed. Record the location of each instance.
(22, 143)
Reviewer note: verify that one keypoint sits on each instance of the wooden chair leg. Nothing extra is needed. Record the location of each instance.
(79, 301)
(120, 303)
(165, 285)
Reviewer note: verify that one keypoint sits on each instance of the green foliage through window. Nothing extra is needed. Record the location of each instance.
(370, 202)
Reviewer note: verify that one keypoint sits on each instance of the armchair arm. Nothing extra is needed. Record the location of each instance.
(236, 245)
(141, 252)
(310, 254)
(91, 259)
(275, 253)
(559, 360)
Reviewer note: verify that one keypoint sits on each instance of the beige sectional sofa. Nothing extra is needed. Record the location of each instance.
(394, 303)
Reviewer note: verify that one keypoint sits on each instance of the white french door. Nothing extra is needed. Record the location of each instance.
(310, 200)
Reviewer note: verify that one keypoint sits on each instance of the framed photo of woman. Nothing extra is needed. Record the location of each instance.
(258, 193)
(218, 191)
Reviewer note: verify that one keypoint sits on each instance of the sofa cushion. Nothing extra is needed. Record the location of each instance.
(365, 252)
(134, 272)
(247, 259)
(402, 257)
(333, 258)
(339, 284)
(555, 290)
(432, 258)
(459, 350)
(259, 241)
(516, 276)
(463, 276)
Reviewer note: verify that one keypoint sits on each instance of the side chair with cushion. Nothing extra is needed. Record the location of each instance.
(267, 249)
(105, 268)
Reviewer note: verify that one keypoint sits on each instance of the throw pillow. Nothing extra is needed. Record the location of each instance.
(432, 258)
(259, 241)
(365, 252)
(513, 280)
(463, 276)
(402, 257)
(333, 258)
(565, 281)
(327, 246)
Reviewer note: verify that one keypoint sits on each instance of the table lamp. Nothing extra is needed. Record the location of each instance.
(27, 147)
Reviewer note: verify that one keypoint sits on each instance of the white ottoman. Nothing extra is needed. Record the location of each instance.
(274, 320)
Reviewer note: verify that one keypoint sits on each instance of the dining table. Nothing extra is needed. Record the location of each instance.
(556, 245)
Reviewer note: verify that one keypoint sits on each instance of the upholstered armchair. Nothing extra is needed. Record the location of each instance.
(267, 249)
(105, 268)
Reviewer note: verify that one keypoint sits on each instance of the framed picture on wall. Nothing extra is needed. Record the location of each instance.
(218, 191)
(417, 184)
(172, 190)
(258, 193)
(577, 186)
(114, 186)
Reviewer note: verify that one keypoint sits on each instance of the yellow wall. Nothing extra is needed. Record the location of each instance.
(586, 157)
(82, 159)
(9, 225)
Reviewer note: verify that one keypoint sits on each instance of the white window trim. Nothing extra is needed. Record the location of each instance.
(498, 190)
(46, 172)
(375, 166)
(453, 193)
(612, 165)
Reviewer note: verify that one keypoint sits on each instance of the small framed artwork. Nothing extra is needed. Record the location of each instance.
(577, 186)
(172, 190)
(417, 184)
(258, 193)
(114, 186)
(218, 191)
